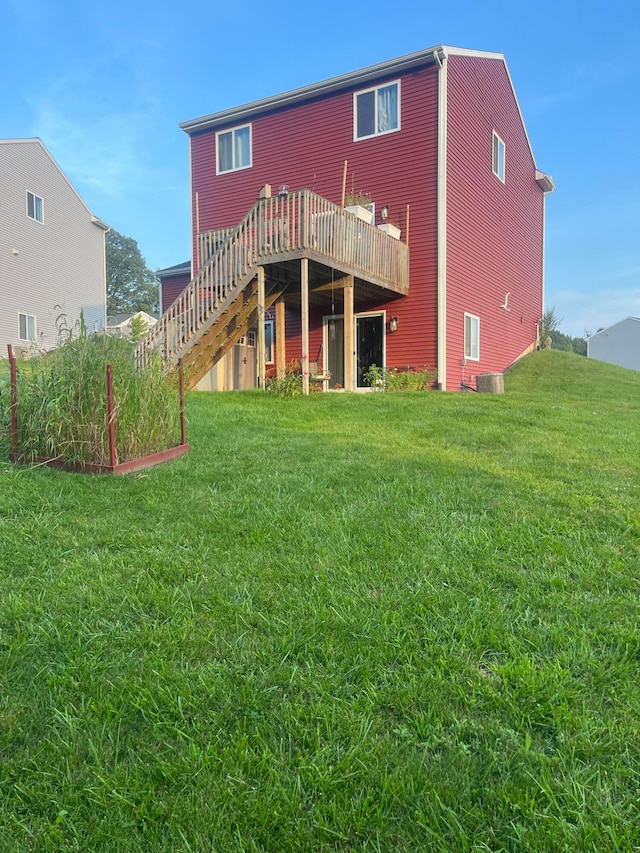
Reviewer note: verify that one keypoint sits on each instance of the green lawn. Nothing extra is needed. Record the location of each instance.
(383, 622)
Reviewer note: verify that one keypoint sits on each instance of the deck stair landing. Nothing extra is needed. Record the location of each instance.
(219, 305)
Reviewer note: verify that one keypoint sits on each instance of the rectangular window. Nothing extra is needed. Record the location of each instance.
(234, 149)
(251, 338)
(376, 111)
(268, 341)
(35, 207)
(26, 327)
(472, 337)
(498, 156)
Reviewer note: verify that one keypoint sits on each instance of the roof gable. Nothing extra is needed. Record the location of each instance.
(362, 76)
(36, 141)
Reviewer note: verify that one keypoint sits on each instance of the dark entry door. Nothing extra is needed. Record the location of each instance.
(369, 345)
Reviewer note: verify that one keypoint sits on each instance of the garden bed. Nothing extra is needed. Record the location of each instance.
(70, 411)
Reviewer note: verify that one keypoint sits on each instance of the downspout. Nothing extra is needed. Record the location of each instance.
(442, 218)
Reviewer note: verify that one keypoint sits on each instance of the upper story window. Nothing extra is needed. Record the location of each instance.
(376, 111)
(498, 156)
(35, 207)
(472, 337)
(26, 327)
(233, 149)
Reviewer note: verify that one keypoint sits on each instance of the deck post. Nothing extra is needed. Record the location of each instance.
(261, 341)
(304, 317)
(349, 351)
(281, 349)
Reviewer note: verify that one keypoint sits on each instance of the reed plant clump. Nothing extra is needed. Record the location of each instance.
(62, 402)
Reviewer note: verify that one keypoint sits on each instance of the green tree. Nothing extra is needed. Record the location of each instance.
(550, 320)
(131, 286)
(138, 329)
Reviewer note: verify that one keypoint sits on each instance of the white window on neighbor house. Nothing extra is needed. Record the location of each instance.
(26, 327)
(376, 111)
(268, 341)
(233, 149)
(35, 207)
(498, 156)
(472, 337)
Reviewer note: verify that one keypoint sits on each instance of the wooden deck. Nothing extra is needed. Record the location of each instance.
(219, 304)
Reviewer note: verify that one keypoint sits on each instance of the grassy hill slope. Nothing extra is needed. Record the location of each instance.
(348, 622)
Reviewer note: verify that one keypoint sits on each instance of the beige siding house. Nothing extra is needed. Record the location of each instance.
(52, 250)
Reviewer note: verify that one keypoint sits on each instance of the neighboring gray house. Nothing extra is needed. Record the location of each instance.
(52, 250)
(619, 344)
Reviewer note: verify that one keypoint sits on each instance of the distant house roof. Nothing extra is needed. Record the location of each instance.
(121, 319)
(613, 326)
(177, 269)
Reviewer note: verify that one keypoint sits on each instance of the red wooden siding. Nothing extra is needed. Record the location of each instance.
(305, 146)
(494, 230)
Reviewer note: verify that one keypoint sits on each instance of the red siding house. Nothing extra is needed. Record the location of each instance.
(436, 142)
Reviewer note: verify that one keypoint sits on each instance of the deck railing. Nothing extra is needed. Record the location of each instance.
(285, 225)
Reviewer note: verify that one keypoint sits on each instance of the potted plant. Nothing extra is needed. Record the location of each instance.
(359, 203)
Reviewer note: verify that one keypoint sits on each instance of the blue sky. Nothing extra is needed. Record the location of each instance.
(105, 85)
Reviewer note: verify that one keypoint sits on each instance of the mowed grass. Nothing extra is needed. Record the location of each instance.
(382, 622)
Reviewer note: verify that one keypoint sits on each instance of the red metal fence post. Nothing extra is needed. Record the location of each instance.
(110, 420)
(183, 428)
(14, 398)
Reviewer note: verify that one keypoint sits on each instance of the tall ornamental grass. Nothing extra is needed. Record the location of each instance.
(62, 402)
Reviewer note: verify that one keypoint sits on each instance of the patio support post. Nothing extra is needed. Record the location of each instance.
(304, 316)
(261, 340)
(281, 351)
(349, 350)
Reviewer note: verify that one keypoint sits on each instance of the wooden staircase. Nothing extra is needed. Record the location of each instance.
(221, 303)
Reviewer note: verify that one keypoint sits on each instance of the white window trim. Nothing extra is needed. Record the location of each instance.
(496, 166)
(27, 317)
(468, 345)
(232, 131)
(375, 133)
(35, 196)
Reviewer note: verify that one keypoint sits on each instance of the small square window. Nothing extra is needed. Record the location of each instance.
(472, 337)
(35, 207)
(233, 149)
(26, 327)
(377, 111)
(498, 156)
